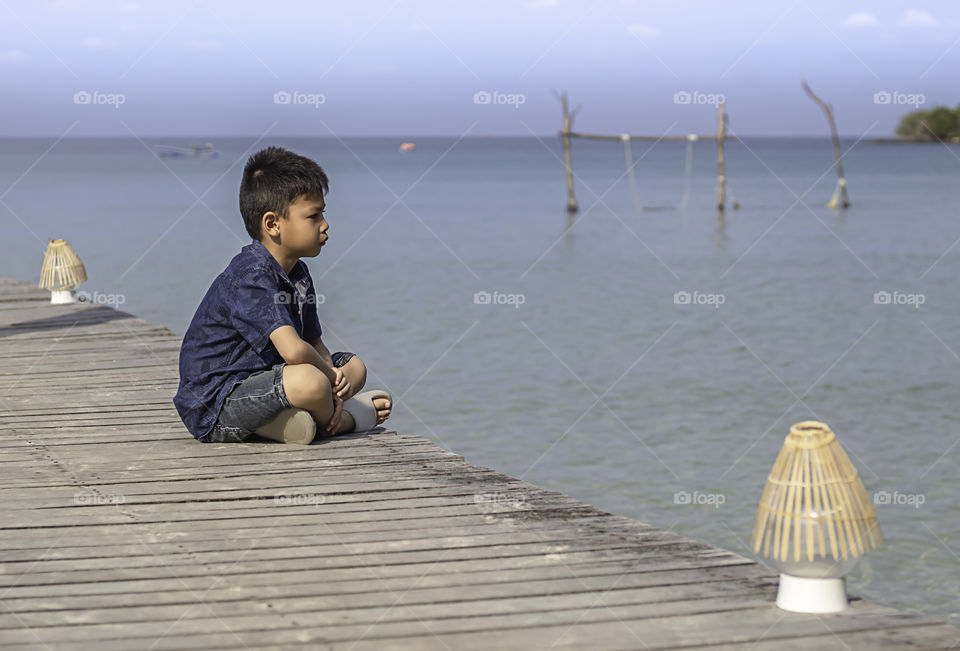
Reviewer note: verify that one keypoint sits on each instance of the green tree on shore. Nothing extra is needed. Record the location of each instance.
(938, 123)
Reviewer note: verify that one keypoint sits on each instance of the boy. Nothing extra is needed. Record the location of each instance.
(252, 360)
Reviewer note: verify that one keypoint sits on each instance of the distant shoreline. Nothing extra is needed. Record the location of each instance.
(399, 138)
(915, 141)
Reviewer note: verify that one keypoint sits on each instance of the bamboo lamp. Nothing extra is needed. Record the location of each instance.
(62, 272)
(814, 520)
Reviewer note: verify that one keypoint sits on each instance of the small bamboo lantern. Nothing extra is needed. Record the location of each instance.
(814, 520)
(62, 272)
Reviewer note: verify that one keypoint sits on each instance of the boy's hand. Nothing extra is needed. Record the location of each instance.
(331, 427)
(341, 384)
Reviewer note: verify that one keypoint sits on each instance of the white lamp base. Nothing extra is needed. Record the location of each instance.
(62, 297)
(802, 595)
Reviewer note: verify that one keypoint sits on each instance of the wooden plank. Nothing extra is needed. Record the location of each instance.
(657, 625)
(256, 630)
(554, 579)
(924, 636)
(81, 461)
(330, 549)
(377, 607)
(184, 512)
(452, 562)
(293, 523)
(131, 544)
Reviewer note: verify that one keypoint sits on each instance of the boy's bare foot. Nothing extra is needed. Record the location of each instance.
(383, 407)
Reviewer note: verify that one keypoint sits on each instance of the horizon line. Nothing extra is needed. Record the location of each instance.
(422, 136)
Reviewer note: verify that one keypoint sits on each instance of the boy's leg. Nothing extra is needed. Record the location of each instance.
(356, 372)
(250, 404)
(308, 388)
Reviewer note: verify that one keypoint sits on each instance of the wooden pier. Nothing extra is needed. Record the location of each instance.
(119, 531)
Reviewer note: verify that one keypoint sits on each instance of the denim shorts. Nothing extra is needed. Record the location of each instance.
(255, 402)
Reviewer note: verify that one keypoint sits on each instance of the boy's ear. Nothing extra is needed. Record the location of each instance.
(269, 223)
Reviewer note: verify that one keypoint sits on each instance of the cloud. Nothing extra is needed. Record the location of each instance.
(861, 20)
(917, 18)
(13, 55)
(97, 43)
(639, 29)
(129, 8)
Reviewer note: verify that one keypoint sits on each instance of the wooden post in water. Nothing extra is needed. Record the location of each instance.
(839, 197)
(721, 163)
(572, 206)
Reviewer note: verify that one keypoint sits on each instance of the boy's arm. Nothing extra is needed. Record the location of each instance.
(295, 350)
(342, 386)
(322, 349)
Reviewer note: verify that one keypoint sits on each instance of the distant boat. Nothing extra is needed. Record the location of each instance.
(193, 151)
(407, 146)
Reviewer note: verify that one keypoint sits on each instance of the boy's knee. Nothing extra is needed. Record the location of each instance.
(305, 384)
(357, 373)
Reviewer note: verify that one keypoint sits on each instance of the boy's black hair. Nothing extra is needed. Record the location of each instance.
(274, 178)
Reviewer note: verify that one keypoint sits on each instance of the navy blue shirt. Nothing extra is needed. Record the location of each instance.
(229, 337)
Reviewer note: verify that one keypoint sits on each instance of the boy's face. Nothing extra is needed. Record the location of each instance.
(304, 231)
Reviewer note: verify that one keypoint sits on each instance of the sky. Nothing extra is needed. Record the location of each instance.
(409, 68)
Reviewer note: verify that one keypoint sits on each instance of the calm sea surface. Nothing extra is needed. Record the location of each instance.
(582, 373)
